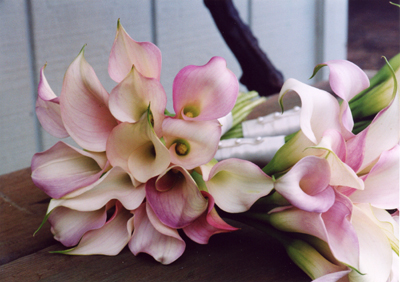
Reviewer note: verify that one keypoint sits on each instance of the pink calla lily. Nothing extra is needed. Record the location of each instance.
(333, 226)
(151, 236)
(126, 52)
(63, 169)
(320, 110)
(205, 92)
(381, 135)
(48, 109)
(228, 183)
(375, 259)
(137, 149)
(175, 197)
(115, 184)
(109, 239)
(68, 226)
(84, 106)
(208, 224)
(334, 146)
(191, 143)
(382, 182)
(130, 99)
(306, 185)
(346, 80)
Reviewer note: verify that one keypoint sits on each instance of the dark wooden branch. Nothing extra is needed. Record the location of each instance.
(259, 74)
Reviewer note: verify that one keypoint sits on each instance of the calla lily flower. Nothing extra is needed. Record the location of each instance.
(228, 183)
(151, 236)
(84, 106)
(68, 226)
(205, 92)
(208, 224)
(115, 184)
(109, 239)
(48, 109)
(131, 98)
(63, 169)
(381, 183)
(137, 149)
(306, 185)
(320, 111)
(346, 80)
(191, 143)
(85, 209)
(333, 227)
(175, 198)
(126, 52)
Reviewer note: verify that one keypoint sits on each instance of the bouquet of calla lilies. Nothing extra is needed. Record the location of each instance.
(142, 173)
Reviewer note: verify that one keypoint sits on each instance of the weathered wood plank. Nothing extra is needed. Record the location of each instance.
(17, 137)
(23, 207)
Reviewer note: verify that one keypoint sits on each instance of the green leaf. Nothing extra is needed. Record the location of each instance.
(316, 69)
(43, 222)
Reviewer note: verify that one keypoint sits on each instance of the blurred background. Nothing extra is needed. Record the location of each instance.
(295, 34)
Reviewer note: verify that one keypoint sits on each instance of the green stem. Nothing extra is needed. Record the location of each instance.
(234, 132)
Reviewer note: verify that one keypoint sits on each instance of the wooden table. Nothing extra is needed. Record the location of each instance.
(244, 255)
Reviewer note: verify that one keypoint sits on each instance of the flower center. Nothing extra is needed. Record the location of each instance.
(189, 114)
(181, 149)
(191, 111)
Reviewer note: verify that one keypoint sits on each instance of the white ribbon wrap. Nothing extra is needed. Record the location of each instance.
(273, 124)
(258, 150)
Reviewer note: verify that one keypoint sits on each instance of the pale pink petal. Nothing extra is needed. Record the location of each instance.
(107, 240)
(175, 197)
(149, 157)
(126, 52)
(137, 149)
(68, 226)
(115, 184)
(207, 92)
(342, 237)
(306, 185)
(63, 169)
(341, 174)
(48, 109)
(386, 223)
(383, 133)
(84, 106)
(200, 139)
(382, 182)
(236, 184)
(208, 224)
(375, 251)
(320, 110)
(346, 80)
(130, 99)
(152, 237)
